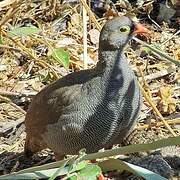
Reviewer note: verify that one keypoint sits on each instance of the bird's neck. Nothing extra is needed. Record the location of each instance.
(112, 63)
(116, 75)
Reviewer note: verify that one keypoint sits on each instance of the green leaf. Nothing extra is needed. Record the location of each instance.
(171, 141)
(158, 51)
(78, 167)
(74, 177)
(61, 56)
(90, 172)
(40, 171)
(24, 31)
(34, 173)
(43, 171)
(1, 40)
(52, 165)
(45, 77)
(116, 164)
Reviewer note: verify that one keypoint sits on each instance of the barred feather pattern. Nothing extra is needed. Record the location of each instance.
(89, 109)
(101, 116)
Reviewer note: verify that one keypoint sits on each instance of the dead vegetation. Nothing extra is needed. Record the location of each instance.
(41, 41)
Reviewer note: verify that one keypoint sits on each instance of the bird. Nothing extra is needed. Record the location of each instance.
(90, 109)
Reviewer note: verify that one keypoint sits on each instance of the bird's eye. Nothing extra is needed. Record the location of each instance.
(125, 29)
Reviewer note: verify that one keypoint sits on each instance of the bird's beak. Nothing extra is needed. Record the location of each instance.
(140, 29)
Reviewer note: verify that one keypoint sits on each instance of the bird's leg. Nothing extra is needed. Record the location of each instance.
(58, 156)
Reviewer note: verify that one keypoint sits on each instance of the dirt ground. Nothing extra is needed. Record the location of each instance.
(27, 65)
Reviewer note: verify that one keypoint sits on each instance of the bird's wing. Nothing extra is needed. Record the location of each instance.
(48, 104)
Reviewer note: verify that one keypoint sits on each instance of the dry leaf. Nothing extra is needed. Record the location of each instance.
(110, 12)
(148, 7)
(94, 36)
(75, 25)
(65, 42)
(36, 84)
(20, 86)
(76, 20)
(166, 104)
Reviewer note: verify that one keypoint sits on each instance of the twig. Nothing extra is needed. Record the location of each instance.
(12, 147)
(171, 37)
(146, 96)
(10, 48)
(45, 65)
(85, 37)
(12, 104)
(6, 3)
(91, 14)
(172, 121)
(158, 51)
(154, 22)
(32, 55)
(10, 93)
(23, 48)
(159, 74)
(14, 8)
(5, 127)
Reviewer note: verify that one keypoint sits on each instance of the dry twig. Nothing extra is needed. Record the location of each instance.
(12, 104)
(158, 124)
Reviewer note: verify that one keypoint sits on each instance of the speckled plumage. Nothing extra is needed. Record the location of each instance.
(89, 109)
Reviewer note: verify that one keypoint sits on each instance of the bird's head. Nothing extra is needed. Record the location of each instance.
(116, 33)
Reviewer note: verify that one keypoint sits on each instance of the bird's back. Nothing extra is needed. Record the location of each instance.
(50, 103)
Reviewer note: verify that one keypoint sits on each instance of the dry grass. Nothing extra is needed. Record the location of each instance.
(27, 65)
